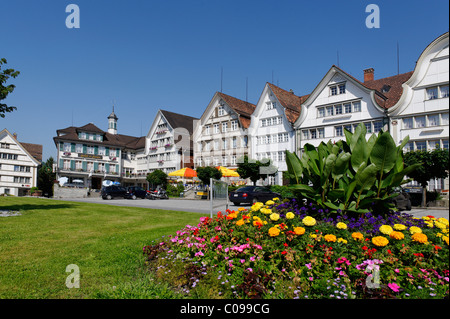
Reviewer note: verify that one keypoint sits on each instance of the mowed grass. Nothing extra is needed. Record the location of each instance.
(104, 241)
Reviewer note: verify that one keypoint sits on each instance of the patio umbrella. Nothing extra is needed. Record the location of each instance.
(184, 172)
(226, 172)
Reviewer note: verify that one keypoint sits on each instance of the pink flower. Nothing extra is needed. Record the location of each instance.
(394, 287)
(397, 270)
(252, 258)
(308, 265)
(242, 261)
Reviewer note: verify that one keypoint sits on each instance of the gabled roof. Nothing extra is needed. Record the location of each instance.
(244, 109)
(177, 120)
(392, 84)
(91, 128)
(291, 102)
(35, 150)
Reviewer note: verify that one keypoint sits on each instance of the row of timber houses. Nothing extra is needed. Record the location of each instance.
(413, 104)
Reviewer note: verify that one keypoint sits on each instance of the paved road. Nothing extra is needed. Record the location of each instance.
(204, 206)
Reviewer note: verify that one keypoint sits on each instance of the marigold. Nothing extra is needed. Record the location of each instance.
(397, 235)
(299, 230)
(275, 199)
(270, 202)
(232, 215)
(330, 238)
(380, 241)
(309, 221)
(386, 229)
(266, 211)
(415, 229)
(443, 221)
(440, 225)
(342, 240)
(240, 222)
(274, 217)
(445, 238)
(420, 238)
(290, 215)
(341, 225)
(357, 236)
(399, 227)
(274, 231)
(256, 206)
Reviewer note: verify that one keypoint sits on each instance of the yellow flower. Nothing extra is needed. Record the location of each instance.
(415, 229)
(274, 217)
(357, 236)
(440, 225)
(309, 221)
(386, 229)
(256, 206)
(313, 235)
(341, 225)
(241, 209)
(396, 235)
(270, 202)
(266, 211)
(299, 230)
(429, 223)
(274, 231)
(445, 238)
(275, 199)
(399, 227)
(443, 221)
(342, 240)
(290, 215)
(240, 222)
(330, 237)
(232, 215)
(380, 241)
(420, 238)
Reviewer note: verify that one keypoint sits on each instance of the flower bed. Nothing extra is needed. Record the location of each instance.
(289, 250)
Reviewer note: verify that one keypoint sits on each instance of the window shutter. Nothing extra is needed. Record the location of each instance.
(84, 148)
(95, 166)
(107, 167)
(72, 165)
(61, 146)
(96, 150)
(61, 163)
(107, 151)
(84, 166)
(72, 147)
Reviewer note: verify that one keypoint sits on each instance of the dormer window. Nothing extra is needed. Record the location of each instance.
(337, 89)
(221, 111)
(271, 105)
(385, 88)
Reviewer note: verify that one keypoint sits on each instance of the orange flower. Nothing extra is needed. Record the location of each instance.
(299, 230)
(420, 238)
(330, 237)
(357, 236)
(396, 235)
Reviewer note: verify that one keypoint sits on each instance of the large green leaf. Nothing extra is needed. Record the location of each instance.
(360, 153)
(341, 165)
(365, 177)
(384, 153)
(313, 158)
(294, 166)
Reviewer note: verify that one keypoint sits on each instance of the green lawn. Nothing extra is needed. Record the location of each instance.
(104, 241)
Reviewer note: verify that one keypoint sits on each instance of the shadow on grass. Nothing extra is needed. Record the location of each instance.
(26, 207)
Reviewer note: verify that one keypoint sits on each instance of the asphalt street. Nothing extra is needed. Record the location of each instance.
(204, 206)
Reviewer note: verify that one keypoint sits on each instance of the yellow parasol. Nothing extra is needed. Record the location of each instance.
(226, 172)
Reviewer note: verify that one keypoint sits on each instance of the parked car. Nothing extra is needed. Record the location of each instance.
(110, 192)
(252, 194)
(135, 192)
(403, 200)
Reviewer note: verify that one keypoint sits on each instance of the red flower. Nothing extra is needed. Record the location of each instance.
(437, 247)
(430, 216)
(284, 252)
(389, 252)
(285, 245)
(364, 248)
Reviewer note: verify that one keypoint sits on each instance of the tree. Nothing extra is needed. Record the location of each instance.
(5, 75)
(157, 177)
(205, 173)
(255, 170)
(46, 177)
(433, 164)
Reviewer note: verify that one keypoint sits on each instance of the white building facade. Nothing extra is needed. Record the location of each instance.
(422, 112)
(271, 129)
(18, 164)
(221, 135)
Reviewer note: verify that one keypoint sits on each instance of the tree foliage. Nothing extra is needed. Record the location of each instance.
(433, 164)
(46, 177)
(255, 170)
(207, 172)
(5, 75)
(157, 177)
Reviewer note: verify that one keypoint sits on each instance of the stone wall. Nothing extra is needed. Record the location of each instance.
(69, 192)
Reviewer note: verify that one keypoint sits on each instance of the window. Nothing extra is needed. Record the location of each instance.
(433, 120)
(444, 91)
(409, 147)
(348, 127)
(101, 150)
(271, 105)
(342, 88)
(377, 126)
(263, 122)
(348, 108)
(421, 146)
(368, 127)
(313, 134)
(79, 148)
(234, 142)
(216, 128)
(444, 119)
(281, 156)
(321, 112)
(208, 146)
(4, 145)
(221, 110)
(432, 93)
(321, 132)
(234, 125)
(305, 134)
(216, 145)
(66, 147)
(357, 106)
(90, 149)
(285, 137)
(433, 144)
(338, 131)
(330, 111)
(333, 90)
(445, 144)
(224, 144)
(224, 127)
(233, 160)
(407, 123)
(338, 109)
(420, 121)
(207, 129)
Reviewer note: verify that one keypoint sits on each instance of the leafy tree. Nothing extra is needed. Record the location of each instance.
(433, 164)
(157, 177)
(205, 173)
(255, 170)
(5, 75)
(46, 177)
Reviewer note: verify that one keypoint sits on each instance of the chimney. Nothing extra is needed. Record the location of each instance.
(15, 135)
(368, 75)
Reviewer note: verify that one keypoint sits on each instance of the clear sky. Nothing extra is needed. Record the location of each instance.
(168, 54)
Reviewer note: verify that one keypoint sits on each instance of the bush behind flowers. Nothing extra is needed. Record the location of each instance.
(287, 249)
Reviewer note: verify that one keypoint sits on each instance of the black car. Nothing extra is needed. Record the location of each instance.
(135, 192)
(252, 194)
(109, 192)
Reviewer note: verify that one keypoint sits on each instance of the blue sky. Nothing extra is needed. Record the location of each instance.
(168, 54)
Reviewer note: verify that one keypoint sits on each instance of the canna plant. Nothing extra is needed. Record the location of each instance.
(355, 175)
